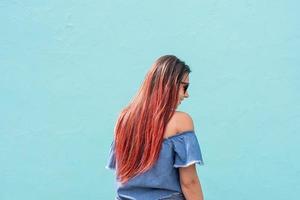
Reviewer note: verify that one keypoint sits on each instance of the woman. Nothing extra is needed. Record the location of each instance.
(155, 148)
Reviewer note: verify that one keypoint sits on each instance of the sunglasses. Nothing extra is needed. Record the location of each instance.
(186, 86)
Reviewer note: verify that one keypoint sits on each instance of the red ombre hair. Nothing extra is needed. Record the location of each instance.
(140, 126)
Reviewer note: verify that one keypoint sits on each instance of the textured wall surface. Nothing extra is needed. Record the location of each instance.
(68, 67)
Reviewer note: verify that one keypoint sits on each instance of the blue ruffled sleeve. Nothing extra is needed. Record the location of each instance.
(187, 150)
(111, 163)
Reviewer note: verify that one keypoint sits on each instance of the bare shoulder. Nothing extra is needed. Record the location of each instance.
(184, 121)
(180, 122)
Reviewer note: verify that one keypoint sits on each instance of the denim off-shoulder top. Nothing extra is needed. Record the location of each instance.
(161, 181)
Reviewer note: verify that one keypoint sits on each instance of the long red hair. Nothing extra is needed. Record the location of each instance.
(140, 126)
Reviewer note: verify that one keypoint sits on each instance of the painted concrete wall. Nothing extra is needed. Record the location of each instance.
(68, 67)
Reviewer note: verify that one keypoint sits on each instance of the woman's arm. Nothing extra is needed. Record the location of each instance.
(190, 183)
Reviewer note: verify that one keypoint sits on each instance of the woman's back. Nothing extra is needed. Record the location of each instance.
(180, 149)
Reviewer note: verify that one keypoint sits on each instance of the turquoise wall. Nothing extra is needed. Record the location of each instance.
(68, 67)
